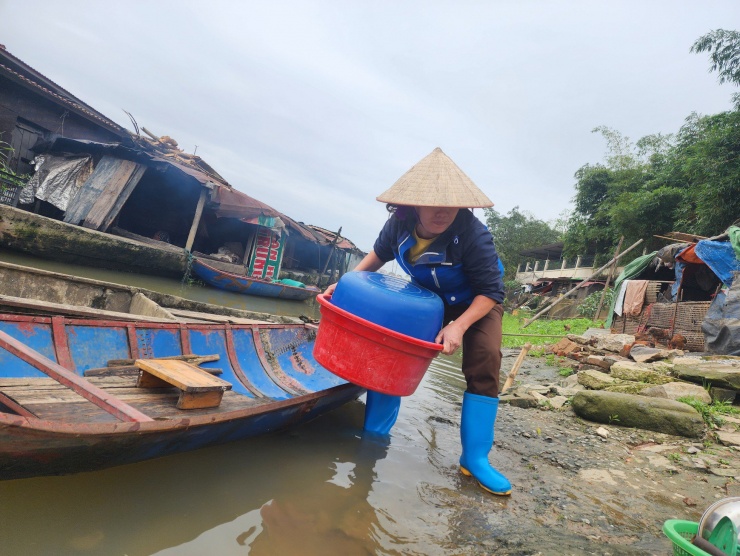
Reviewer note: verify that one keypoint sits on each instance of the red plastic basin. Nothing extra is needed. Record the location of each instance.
(370, 355)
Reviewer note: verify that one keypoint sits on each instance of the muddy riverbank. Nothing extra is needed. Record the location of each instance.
(576, 492)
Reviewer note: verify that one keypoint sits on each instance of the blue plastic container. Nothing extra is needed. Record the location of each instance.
(392, 303)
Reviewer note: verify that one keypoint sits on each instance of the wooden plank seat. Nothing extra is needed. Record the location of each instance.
(198, 389)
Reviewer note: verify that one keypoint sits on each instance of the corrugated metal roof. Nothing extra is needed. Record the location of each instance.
(30, 77)
(329, 236)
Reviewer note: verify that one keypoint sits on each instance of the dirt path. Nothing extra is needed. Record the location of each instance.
(579, 493)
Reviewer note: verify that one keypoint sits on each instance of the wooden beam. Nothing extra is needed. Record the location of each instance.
(109, 176)
(196, 219)
(79, 385)
(117, 191)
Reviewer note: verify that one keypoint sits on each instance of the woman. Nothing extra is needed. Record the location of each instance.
(444, 248)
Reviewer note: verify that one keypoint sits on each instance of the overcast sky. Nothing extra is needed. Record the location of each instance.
(315, 108)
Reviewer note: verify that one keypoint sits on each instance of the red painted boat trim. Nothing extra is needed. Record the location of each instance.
(185, 339)
(15, 406)
(61, 346)
(99, 397)
(234, 361)
(133, 341)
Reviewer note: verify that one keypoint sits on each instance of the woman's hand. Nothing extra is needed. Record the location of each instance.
(450, 337)
(330, 290)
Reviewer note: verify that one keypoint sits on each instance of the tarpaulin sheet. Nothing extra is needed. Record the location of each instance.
(56, 180)
(720, 257)
(733, 233)
(721, 325)
(689, 255)
(631, 270)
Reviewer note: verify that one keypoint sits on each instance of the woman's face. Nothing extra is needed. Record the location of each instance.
(434, 220)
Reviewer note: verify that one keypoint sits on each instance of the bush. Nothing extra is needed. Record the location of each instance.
(588, 306)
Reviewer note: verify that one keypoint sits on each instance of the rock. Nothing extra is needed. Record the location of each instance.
(597, 361)
(580, 340)
(570, 381)
(627, 371)
(614, 342)
(518, 399)
(628, 387)
(602, 432)
(594, 332)
(614, 358)
(662, 367)
(666, 416)
(675, 390)
(644, 354)
(719, 371)
(558, 402)
(565, 347)
(595, 380)
(729, 438)
(725, 472)
(537, 396)
(567, 391)
(722, 395)
(535, 389)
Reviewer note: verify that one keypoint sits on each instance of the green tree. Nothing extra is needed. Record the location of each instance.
(706, 165)
(687, 182)
(515, 232)
(724, 52)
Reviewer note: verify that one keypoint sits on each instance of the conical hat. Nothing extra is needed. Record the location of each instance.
(435, 181)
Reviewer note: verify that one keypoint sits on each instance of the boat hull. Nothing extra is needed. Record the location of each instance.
(241, 284)
(31, 448)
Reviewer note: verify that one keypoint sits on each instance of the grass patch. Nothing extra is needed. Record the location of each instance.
(711, 413)
(549, 330)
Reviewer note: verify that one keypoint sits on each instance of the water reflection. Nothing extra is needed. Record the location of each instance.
(322, 488)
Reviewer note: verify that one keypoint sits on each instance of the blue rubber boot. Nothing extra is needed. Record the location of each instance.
(476, 433)
(381, 411)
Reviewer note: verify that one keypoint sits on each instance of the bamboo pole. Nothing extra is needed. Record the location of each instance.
(331, 251)
(518, 363)
(608, 279)
(596, 273)
(537, 335)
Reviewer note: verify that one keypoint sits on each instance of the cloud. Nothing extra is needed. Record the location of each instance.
(317, 107)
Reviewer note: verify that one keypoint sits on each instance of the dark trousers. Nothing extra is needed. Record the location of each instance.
(481, 356)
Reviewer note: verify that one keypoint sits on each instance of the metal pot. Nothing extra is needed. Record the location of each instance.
(720, 525)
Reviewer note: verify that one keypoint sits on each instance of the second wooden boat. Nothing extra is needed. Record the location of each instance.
(230, 281)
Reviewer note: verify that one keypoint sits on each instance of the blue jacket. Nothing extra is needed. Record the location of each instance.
(459, 265)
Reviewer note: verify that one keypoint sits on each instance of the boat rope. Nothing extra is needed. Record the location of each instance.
(187, 277)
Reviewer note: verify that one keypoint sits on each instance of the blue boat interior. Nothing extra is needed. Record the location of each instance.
(262, 363)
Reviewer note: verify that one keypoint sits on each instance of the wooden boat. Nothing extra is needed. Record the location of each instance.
(230, 281)
(73, 399)
(31, 290)
(65, 407)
